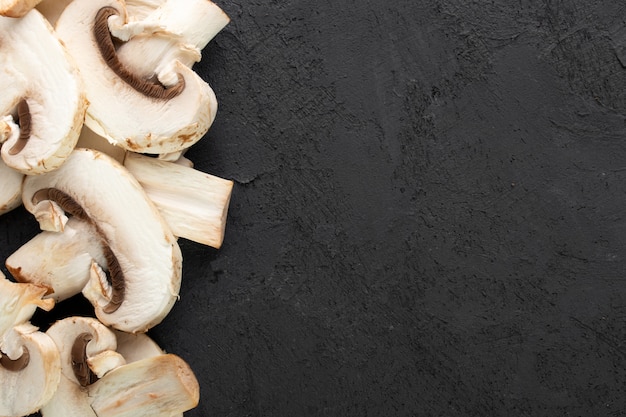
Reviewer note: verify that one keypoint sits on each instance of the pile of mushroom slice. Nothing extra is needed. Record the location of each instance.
(96, 84)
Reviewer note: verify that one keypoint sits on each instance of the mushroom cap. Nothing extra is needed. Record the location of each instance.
(16, 8)
(38, 73)
(26, 390)
(60, 261)
(119, 112)
(143, 246)
(10, 188)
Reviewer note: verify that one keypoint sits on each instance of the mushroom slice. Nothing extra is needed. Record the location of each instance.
(16, 8)
(193, 203)
(59, 260)
(10, 188)
(139, 114)
(41, 88)
(31, 374)
(187, 27)
(26, 355)
(134, 347)
(161, 385)
(87, 353)
(142, 256)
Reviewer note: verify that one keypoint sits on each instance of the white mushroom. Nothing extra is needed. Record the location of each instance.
(29, 360)
(31, 376)
(187, 27)
(42, 106)
(97, 381)
(138, 114)
(16, 8)
(142, 256)
(193, 203)
(60, 261)
(87, 352)
(10, 188)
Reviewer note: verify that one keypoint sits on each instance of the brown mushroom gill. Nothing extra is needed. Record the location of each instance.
(83, 374)
(24, 121)
(115, 275)
(106, 45)
(17, 364)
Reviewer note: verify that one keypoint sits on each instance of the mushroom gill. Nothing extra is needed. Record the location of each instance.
(17, 364)
(24, 120)
(104, 40)
(115, 277)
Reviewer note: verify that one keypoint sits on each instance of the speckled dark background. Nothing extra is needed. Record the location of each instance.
(428, 215)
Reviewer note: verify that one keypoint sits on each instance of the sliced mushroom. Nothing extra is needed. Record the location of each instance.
(193, 203)
(89, 139)
(42, 97)
(29, 360)
(161, 385)
(87, 353)
(16, 8)
(188, 25)
(31, 375)
(136, 113)
(60, 261)
(140, 9)
(10, 188)
(142, 256)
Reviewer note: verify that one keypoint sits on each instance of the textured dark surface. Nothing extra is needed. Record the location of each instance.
(428, 216)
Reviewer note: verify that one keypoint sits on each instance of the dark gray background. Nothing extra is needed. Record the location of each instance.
(428, 212)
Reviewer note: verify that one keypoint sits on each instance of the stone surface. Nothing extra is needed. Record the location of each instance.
(428, 216)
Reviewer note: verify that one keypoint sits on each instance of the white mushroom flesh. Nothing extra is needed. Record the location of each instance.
(39, 79)
(193, 203)
(32, 379)
(10, 188)
(60, 261)
(142, 254)
(169, 120)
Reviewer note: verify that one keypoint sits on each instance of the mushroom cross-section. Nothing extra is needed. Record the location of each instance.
(29, 360)
(139, 114)
(142, 256)
(87, 352)
(42, 106)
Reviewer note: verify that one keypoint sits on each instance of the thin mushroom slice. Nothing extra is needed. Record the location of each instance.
(87, 353)
(32, 375)
(142, 256)
(42, 106)
(16, 8)
(136, 113)
(60, 261)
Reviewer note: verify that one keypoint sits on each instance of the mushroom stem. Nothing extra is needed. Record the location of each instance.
(187, 27)
(157, 386)
(193, 203)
